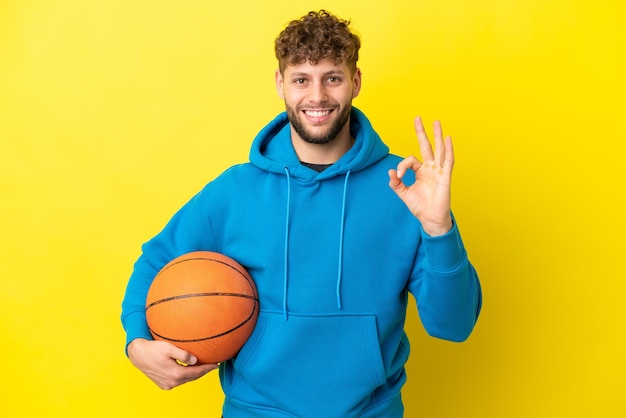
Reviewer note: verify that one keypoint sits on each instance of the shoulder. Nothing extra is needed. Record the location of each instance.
(238, 177)
(235, 173)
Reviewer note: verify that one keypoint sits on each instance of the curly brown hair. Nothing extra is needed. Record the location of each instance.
(317, 36)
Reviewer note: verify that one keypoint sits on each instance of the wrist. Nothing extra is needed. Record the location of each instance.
(134, 345)
(437, 229)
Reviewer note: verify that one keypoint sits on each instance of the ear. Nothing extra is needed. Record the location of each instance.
(280, 84)
(356, 83)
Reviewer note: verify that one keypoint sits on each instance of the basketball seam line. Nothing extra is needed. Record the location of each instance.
(208, 259)
(193, 295)
(211, 337)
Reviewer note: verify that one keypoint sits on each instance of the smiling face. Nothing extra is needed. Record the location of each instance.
(318, 99)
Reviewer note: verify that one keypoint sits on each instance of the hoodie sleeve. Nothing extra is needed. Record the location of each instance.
(188, 230)
(446, 287)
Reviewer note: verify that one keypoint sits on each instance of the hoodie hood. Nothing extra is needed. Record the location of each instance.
(273, 151)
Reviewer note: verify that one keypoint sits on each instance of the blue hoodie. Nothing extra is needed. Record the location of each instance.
(334, 255)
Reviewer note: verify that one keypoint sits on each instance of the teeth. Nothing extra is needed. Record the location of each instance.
(317, 113)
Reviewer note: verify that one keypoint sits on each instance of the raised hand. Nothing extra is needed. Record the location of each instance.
(428, 198)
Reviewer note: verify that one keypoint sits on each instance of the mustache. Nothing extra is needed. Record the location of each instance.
(317, 106)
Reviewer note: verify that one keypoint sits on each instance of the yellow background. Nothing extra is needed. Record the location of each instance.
(113, 113)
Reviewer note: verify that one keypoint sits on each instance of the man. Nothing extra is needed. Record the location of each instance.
(335, 232)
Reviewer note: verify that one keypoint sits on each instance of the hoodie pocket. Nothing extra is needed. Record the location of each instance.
(309, 366)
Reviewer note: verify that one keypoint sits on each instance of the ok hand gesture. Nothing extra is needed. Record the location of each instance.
(429, 197)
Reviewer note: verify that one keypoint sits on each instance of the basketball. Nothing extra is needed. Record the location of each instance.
(205, 303)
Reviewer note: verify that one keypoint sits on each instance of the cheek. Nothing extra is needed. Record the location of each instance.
(292, 97)
(350, 93)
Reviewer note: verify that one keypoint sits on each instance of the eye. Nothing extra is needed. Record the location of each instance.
(299, 80)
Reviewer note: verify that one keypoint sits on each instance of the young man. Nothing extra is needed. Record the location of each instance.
(335, 232)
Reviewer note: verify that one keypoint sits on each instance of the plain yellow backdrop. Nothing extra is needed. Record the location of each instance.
(114, 113)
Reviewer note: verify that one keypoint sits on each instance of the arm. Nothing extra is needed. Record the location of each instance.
(444, 282)
(188, 230)
(446, 287)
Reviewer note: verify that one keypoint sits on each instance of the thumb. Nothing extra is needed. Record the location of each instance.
(183, 357)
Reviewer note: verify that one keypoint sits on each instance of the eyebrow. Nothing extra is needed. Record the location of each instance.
(327, 73)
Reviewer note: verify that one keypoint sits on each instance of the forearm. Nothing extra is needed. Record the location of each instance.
(133, 306)
(449, 298)
(188, 230)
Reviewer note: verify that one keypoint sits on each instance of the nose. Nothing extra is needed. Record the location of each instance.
(318, 93)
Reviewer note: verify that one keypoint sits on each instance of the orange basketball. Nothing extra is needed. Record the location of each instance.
(205, 303)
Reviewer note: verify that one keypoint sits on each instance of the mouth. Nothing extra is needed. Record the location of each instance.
(317, 116)
(317, 113)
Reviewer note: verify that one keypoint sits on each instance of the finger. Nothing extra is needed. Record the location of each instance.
(439, 146)
(448, 162)
(425, 147)
(205, 368)
(408, 163)
(195, 372)
(396, 184)
(177, 376)
(394, 181)
(199, 370)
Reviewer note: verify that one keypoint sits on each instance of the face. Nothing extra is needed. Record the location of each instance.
(318, 99)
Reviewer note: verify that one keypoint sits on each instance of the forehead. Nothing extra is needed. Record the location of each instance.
(324, 66)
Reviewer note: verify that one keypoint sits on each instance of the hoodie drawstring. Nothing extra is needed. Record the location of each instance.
(341, 234)
(343, 218)
(286, 265)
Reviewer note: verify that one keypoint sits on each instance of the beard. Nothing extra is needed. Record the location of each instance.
(324, 137)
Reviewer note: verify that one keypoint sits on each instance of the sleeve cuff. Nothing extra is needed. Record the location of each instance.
(444, 253)
(136, 327)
